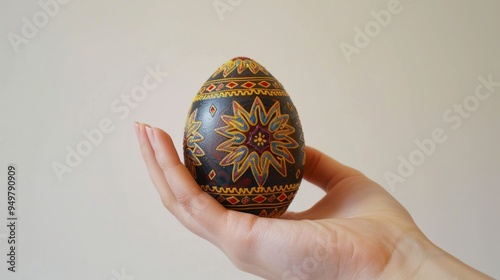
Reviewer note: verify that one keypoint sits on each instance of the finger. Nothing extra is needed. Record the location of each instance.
(154, 170)
(334, 178)
(197, 210)
(349, 192)
(324, 171)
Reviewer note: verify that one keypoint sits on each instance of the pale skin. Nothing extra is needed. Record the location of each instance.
(356, 231)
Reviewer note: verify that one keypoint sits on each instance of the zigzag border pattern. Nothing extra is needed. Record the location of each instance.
(231, 93)
(250, 191)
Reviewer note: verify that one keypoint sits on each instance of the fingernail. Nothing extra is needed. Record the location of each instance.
(137, 129)
(151, 137)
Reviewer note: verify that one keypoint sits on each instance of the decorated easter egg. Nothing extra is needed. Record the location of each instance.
(243, 141)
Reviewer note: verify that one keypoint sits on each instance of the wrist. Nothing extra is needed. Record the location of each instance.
(441, 265)
(415, 257)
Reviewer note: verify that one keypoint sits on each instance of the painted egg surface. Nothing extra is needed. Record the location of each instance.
(243, 141)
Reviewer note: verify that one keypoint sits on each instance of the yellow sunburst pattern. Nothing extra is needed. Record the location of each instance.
(191, 139)
(258, 139)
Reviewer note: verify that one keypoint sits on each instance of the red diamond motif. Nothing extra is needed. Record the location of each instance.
(248, 85)
(291, 196)
(212, 174)
(233, 200)
(282, 197)
(264, 84)
(231, 85)
(211, 87)
(272, 198)
(259, 199)
(263, 213)
(220, 86)
(245, 200)
(212, 110)
(220, 199)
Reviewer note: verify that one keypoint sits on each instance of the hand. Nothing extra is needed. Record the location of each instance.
(357, 231)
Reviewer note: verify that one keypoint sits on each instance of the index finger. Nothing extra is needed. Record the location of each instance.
(179, 193)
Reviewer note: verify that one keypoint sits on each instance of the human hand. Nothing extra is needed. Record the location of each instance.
(357, 231)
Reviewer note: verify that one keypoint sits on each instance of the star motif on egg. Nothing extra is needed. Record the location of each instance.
(257, 140)
(191, 140)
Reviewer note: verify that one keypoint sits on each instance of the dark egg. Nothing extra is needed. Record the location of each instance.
(243, 141)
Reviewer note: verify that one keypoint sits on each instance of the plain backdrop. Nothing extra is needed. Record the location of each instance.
(367, 92)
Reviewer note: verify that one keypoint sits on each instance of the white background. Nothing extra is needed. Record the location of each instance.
(104, 220)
